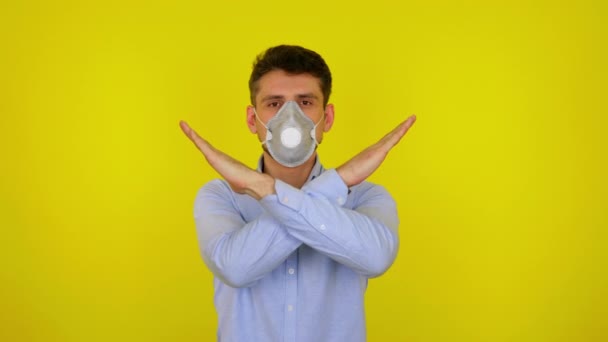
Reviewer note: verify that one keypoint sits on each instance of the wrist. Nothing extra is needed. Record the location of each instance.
(262, 186)
(340, 170)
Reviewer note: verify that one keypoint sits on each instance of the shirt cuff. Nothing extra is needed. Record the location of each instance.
(286, 195)
(329, 185)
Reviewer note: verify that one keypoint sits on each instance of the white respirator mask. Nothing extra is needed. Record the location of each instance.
(290, 135)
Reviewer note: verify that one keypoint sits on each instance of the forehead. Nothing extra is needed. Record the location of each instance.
(278, 82)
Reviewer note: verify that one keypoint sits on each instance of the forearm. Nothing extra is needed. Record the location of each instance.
(260, 186)
(360, 242)
(364, 239)
(242, 257)
(238, 252)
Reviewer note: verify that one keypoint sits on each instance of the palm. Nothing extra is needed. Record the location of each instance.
(233, 171)
(361, 166)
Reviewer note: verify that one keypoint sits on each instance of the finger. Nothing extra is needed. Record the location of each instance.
(200, 143)
(185, 128)
(393, 137)
(190, 133)
(405, 126)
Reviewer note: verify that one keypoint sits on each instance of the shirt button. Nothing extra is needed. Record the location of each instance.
(289, 307)
(322, 227)
(285, 199)
(340, 200)
(291, 271)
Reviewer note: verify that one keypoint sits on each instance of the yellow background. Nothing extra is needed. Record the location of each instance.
(500, 184)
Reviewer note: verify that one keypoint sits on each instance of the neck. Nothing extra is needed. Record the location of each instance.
(294, 176)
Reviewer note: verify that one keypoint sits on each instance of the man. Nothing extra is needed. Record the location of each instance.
(292, 244)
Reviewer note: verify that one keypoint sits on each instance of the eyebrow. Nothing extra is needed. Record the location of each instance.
(309, 95)
(299, 96)
(273, 97)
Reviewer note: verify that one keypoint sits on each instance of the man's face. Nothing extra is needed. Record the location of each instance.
(277, 87)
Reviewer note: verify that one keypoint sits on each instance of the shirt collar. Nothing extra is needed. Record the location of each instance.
(316, 171)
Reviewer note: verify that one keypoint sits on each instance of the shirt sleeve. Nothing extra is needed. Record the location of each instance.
(237, 252)
(364, 238)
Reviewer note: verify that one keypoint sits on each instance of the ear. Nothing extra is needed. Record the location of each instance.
(251, 120)
(329, 117)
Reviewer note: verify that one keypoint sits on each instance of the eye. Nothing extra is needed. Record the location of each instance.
(273, 104)
(306, 103)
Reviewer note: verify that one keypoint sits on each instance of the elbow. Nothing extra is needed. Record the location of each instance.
(377, 269)
(380, 263)
(234, 278)
(229, 273)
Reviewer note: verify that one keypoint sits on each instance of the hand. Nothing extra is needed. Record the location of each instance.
(361, 166)
(241, 178)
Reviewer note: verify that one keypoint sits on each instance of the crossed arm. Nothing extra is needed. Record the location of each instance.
(240, 253)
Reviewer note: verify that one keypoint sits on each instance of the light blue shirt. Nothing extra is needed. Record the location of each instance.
(293, 266)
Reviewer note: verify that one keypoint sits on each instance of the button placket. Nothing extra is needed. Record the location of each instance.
(291, 298)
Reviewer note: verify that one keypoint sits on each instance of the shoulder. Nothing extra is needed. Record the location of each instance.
(214, 186)
(216, 190)
(215, 195)
(368, 191)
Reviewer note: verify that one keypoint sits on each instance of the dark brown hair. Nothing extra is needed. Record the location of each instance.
(293, 60)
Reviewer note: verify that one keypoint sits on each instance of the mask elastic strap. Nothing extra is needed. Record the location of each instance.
(321, 119)
(313, 132)
(268, 133)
